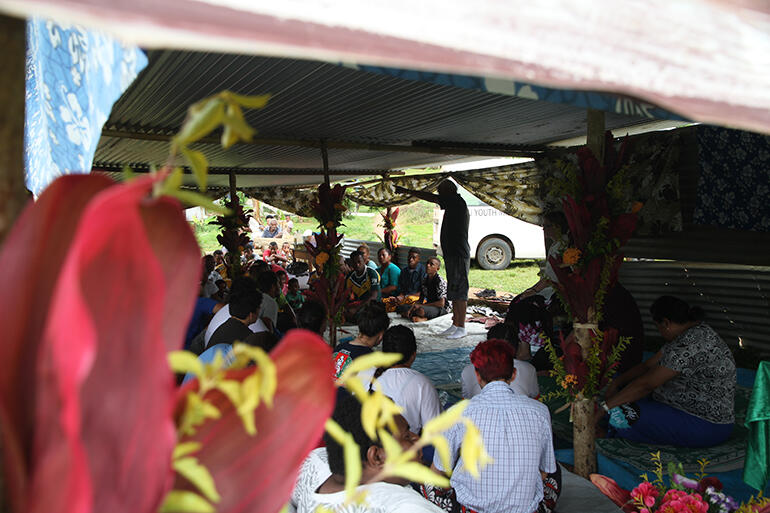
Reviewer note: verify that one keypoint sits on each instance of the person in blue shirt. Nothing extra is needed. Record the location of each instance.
(389, 273)
(410, 280)
(272, 230)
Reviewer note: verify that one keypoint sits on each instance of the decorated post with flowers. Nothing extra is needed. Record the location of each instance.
(389, 234)
(329, 288)
(597, 203)
(233, 236)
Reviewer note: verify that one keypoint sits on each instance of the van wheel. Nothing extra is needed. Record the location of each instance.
(494, 254)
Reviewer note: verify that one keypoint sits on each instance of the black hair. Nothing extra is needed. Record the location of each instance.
(372, 318)
(505, 332)
(355, 253)
(273, 243)
(385, 250)
(257, 268)
(675, 310)
(347, 413)
(529, 311)
(245, 303)
(398, 339)
(292, 280)
(432, 259)
(217, 252)
(266, 280)
(242, 284)
(311, 316)
(414, 250)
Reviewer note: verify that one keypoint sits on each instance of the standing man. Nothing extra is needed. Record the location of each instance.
(455, 249)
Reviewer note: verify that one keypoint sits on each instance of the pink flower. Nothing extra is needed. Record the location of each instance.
(683, 503)
(645, 494)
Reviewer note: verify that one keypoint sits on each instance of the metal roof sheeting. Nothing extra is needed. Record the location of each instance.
(313, 100)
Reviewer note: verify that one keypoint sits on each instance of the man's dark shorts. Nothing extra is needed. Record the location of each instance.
(457, 268)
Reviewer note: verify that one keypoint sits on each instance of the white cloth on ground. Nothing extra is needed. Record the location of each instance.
(414, 392)
(517, 434)
(525, 382)
(220, 317)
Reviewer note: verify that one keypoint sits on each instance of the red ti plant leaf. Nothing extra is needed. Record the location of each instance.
(608, 486)
(257, 474)
(623, 227)
(104, 395)
(579, 221)
(594, 173)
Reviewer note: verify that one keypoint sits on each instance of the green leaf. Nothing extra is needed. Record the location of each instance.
(197, 474)
(248, 102)
(445, 420)
(179, 501)
(199, 166)
(174, 180)
(336, 431)
(418, 473)
(183, 449)
(371, 360)
(128, 173)
(196, 199)
(202, 118)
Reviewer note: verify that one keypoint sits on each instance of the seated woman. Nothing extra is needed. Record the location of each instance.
(683, 395)
(432, 302)
(389, 273)
(321, 480)
(409, 389)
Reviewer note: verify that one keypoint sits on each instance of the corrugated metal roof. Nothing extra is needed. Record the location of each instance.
(313, 100)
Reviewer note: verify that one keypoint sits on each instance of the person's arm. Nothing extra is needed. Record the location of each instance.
(631, 374)
(642, 386)
(433, 198)
(439, 304)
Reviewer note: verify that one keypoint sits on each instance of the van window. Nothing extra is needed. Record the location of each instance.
(470, 199)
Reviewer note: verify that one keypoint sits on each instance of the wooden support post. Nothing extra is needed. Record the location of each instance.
(233, 190)
(325, 157)
(595, 133)
(13, 193)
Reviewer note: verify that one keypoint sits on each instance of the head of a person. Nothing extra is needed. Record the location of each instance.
(286, 247)
(373, 320)
(282, 278)
(493, 360)
(447, 188)
(432, 266)
(413, 258)
(554, 225)
(293, 285)
(228, 259)
(257, 267)
(288, 217)
(502, 331)
(273, 224)
(242, 284)
(273, 246)
(312, 316)
(400, 339)
(384, 256)
(221, 285)
(208, 264)
(218, 256)
(347, 413)
(248, 250)
(245, 306)
(673, 315)
(267, 282)
(364, 250)
(357, 262)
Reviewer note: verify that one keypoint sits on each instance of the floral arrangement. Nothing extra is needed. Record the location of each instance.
(389, 234)
(701, 494)
(329, 288)
(601, 218)
(583, 377)
(233, 236)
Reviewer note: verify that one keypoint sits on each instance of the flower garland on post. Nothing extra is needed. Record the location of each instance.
(233, 236)
(601, 218)
(389, 234)
(330, 287)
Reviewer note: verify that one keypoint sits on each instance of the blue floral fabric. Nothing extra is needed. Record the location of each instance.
(734, 181)
(583, 99)
(73, 78)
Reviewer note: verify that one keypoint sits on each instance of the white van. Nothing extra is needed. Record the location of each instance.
(495, 238)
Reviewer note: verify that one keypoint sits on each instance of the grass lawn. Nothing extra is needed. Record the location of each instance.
(415, 225)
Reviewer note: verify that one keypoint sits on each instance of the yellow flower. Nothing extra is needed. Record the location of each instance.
(636, 207)
(571, 256)
(321, 258)
(569, 379)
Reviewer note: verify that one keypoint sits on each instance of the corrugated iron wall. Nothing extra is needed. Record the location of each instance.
(736, 298)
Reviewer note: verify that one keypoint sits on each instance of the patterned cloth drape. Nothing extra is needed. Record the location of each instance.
(520, 190)
(74, 76)
(734, 183)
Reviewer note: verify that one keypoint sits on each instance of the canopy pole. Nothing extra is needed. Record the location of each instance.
(233, 189)
(595, 133)
(13, 192)
(325, 157)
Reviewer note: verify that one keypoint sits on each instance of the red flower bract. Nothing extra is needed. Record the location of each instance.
(95, 431)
